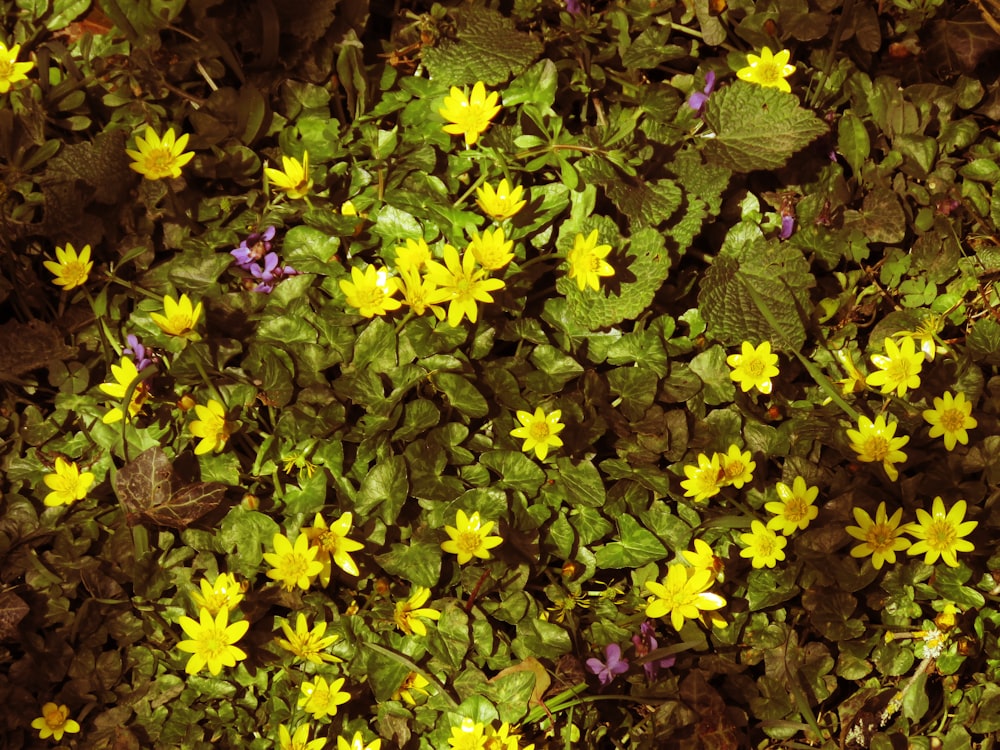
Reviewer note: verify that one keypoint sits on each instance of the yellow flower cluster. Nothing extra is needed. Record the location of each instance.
(426, 283)
(474, 735)
(939, 534)
(711, 474)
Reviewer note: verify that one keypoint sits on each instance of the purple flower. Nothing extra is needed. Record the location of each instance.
(253, 248)
(137, 351)
(614, 666)
(645, 644)
(573, 6)
(787, 226)
(699, 99)
(269, 274)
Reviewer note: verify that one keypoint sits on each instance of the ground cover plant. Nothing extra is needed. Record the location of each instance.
(499, 375)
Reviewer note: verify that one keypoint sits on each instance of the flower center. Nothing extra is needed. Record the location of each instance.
(899, 371)
(296, 566)
(755, 367)
(329, 542)
(6, 68)
(215, 642)
(53, 718)
(372, 297)
(160, 161)
(880, 537)
(468, 542)
(941, 535)
(734, 469)
(765, 547)
(768, 73)
(539, 431)
(796, 509)
(878, 447)
(179, 322)
(952, 420)
(74, 272)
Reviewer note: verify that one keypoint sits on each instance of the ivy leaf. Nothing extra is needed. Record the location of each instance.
(147, 488)
(12, 610)
(638, 546)
(757, 127)
(750, 267)
(488, 48)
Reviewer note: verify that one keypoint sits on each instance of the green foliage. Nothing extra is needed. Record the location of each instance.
(861, 206)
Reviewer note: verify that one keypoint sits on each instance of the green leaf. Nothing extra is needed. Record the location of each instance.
(461, 394)
(638, 546)
(852, 141)
(948, 582)
(417, 562)
(830, 611)
(767, 587)
(245, 534)
(648, 204)
(537, 85)
(706, 181)
(710, 365)
(757, 127)
(540, 639)
(487, 48)
(516, 470)
(984, 341)
(581, 482)
(450, 640)
(636, 387)
(385, 483)
(376, 346)
(751, 267)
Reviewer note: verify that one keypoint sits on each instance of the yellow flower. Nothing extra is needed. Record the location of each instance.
(470, 537)
(293, 565)
(764, 547)
(370, 291)
(469, 116)
(469, 735)
(321, 699)
(347, 208)
(67, 483)
(876, 441)
(298, 741)
(880, 538)
(539, 431)
(210, 427)
(737, 468)
(418, 293)
(704, 480)
(796, 509)
(950, 418)
(754, 367)
(703, 557)
(768, 70)
(54, 721)
(211, 641)
(899, 367)
(413, 256)
(940, 533)
(224, 593)
(179, 316)
(461, 285)
(12, 71)
(490, 249)
(155, 158)
(71, 270)
(293, 178)
(332, 545)
(124, 374)
(358, 743)
(587, 261)
(307, 644)
(414, 683)
(855, 380)
(408, 613)
(504, 739)
(501, 203)
(926, 334)
(683, 595)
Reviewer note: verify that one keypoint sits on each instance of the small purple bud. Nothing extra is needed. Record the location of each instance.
(787, 226)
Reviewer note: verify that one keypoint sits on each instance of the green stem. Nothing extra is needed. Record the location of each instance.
(211, 386)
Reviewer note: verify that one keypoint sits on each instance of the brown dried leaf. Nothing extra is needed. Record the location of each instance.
(148, 489)
(12, 611)
(27, 346)
(531, 664)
